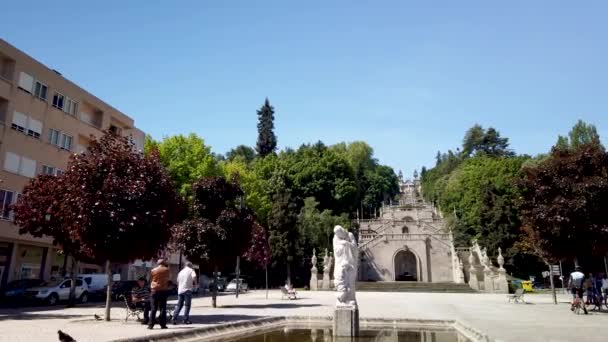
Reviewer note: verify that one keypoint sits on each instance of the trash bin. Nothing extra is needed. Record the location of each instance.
(527, 285)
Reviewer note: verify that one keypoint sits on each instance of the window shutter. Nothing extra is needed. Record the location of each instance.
(26, 82)
(20, 119)
(35, 125)
(86, 117)
(11, 162)
(28, 167)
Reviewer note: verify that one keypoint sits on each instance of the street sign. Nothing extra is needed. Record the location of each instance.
(555, 270)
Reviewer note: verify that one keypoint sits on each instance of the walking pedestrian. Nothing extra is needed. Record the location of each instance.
(159, 287)
(186, 281)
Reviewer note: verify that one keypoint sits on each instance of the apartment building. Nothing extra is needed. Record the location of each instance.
(44, 118)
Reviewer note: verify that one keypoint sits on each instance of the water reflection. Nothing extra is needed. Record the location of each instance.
(325, 335)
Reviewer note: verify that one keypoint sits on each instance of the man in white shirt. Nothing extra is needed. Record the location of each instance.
(186, 281)
(575, 283)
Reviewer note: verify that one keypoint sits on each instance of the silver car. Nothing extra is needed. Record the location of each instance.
(54, 291)
(243, 286)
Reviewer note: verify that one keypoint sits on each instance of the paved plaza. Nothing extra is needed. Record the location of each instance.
(538, 320)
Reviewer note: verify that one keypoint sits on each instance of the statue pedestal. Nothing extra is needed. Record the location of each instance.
(314, 282)
(346, 321)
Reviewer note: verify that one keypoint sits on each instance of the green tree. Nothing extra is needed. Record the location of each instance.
(482, 193)
(478, 140)
(267, 140)
(316, 227)
(581, 134)
(187, 159)
(241, 153)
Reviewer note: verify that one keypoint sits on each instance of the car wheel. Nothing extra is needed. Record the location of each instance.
(84, 297)
(52, 299)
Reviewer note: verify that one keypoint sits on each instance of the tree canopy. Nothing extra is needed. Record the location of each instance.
(110, 197)
(563, 204)
(186, 159)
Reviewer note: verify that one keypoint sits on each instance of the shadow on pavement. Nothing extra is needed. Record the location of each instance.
(215, 319)
(270, 306)
(27, 316)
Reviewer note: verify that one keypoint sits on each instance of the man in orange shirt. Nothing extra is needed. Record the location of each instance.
(159, 287)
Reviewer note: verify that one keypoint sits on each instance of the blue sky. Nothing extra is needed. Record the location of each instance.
(407, 77)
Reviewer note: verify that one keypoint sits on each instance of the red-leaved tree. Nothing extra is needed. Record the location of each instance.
(220, 229)
(118, 204)
(563, 204)
(40, 212)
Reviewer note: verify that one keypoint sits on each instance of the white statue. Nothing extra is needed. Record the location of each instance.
(346, 253)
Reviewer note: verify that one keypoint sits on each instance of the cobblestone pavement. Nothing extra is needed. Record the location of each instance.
(538, 320)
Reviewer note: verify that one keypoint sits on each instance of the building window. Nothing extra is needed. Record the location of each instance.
(60, 140)
(27, 167)
(66, 142)
(71, 107)
(116, 130)
(24, 124)
(58, 172)
(40, 90)
(54, 137)
(19, 122)
(48, 170)
(26, 82)
(58, 100)
(34, 128)
(20, 165)
(6, 199)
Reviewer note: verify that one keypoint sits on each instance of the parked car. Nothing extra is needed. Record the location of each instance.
(15, 290)
(122, 288)
(221, 284)
(243, 286)
(53, 292)
(96, 283)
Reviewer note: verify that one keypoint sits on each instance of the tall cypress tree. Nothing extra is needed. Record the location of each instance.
(267, 141)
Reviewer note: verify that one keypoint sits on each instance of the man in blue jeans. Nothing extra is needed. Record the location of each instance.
(186, 281)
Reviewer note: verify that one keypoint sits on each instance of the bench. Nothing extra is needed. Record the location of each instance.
(288, 294)
(131, 309)
(517, 297)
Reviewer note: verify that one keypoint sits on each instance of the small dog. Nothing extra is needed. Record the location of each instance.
(63, 337)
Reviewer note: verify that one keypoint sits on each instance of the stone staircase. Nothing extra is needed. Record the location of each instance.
(413, 286)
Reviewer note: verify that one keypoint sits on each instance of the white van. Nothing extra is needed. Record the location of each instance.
(96, 282)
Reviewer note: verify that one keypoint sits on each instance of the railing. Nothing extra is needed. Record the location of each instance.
(369, 240)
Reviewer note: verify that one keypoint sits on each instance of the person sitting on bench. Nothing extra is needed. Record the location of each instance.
(291, 292)
(140, 297)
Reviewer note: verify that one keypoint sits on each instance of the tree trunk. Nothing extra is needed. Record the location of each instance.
(552, 285)
(288, 273)
(266, 270)
(214, 290)
(64, 270)
(72, 297)
(108, 291)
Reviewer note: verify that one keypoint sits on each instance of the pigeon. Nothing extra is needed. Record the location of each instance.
(63, 337)
(97, 317)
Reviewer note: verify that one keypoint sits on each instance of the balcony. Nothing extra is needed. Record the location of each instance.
(92, 117)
